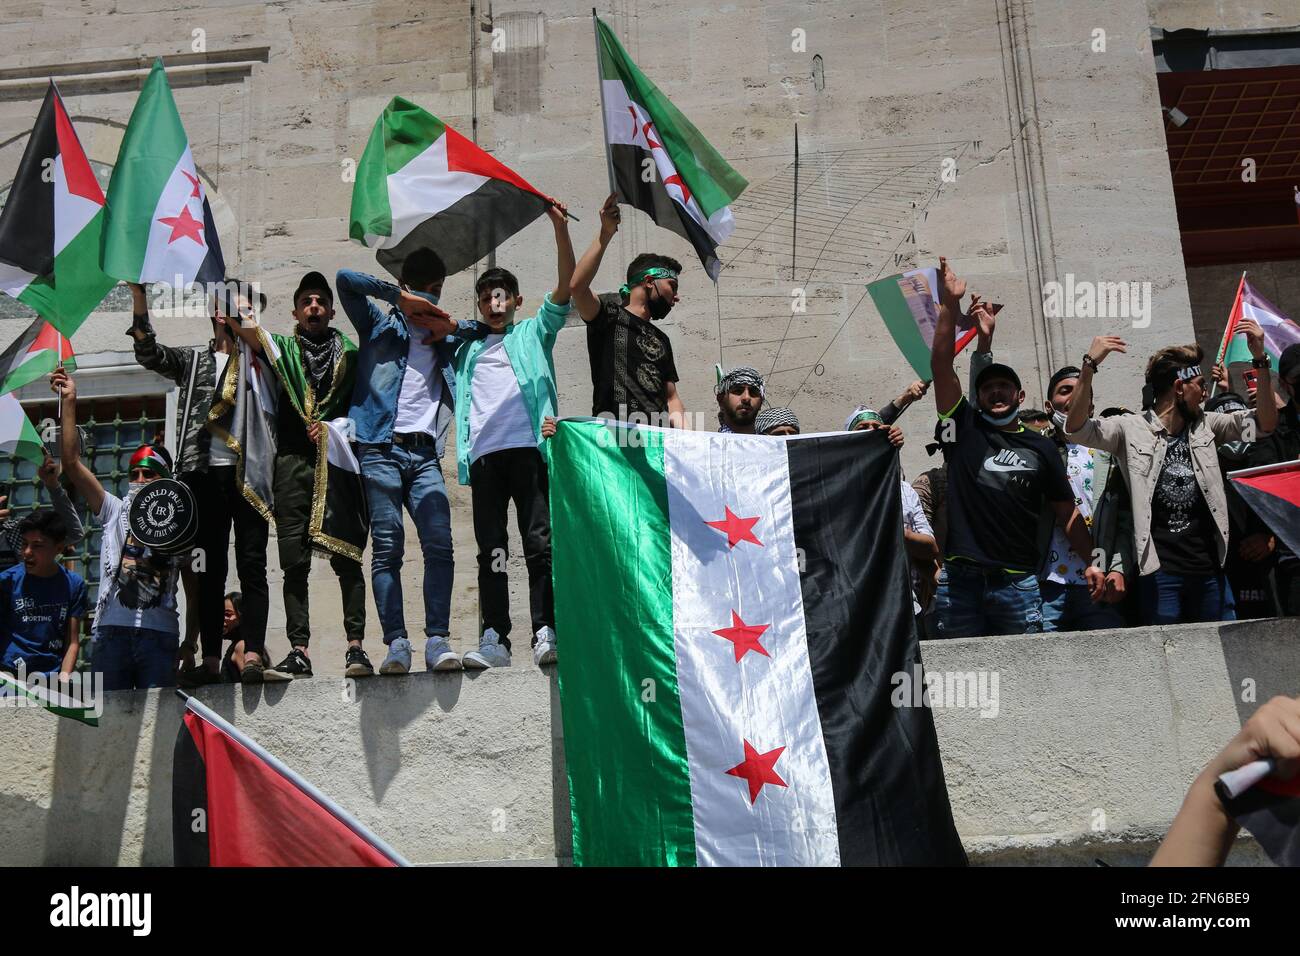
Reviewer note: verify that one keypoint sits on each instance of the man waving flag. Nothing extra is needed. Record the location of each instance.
(692, 188)
(159, 225)
(50, 227)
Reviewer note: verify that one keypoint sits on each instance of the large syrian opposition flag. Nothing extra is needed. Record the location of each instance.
(1273, 491)
(159, 224)
(1279, 331)
(734, 608)
(33, 355)
(51, 224)
(909, 304)
(233, 804)
(692, 187)
(18, 436)
(420, 183)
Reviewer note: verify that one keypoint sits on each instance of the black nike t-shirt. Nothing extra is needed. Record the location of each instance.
(999, 484)
(631, 362)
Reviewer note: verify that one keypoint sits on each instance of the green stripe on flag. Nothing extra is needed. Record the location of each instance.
(712, 183)
(151, 147)
(402, 132)
(78, 285)
(893, 308)
(625, 750)
(55, 702)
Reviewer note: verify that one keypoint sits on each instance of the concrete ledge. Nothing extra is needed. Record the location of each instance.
(1095, 740)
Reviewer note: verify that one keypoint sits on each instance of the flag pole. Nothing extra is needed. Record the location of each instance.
(325, 803)
(604, 119)
(1233, 317)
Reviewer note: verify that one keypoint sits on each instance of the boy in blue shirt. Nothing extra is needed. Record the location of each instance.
(41, 603)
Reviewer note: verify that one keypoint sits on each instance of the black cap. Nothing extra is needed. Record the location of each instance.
(1070, 371)
(1288, 363)
(999, 371)
(313, 282)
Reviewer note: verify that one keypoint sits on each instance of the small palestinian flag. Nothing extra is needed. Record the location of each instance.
(733, 633)
(159, 224)
(233, 804)
(692, 188)
(58, 698)
(1270, 810)
(1273, 491)
(909, 304)
(35, 354)
(18, 436)
(420, 183)
(1279, 331)
(51, 225)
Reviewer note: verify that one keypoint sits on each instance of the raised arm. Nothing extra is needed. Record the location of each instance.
(1265, 407)
(59, 501)
(584, 273)
(947, 386)
(1081, 401)
(564, 263)
(82, 478)
(355, 290)
(169, 362)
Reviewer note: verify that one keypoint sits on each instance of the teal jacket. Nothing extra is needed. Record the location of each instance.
(529, 344)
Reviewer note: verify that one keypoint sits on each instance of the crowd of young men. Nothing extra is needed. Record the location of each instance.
(1038, 519)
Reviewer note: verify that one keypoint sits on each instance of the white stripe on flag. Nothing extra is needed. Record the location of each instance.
(767, 701)
(14, 281)
(338, 452)
(71, 212)
(1251, 311)
(421, 189)
(166, 258)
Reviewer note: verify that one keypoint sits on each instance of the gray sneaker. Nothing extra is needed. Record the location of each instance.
(491, 653)
(544, 649)
(398, 660)
(438, 655)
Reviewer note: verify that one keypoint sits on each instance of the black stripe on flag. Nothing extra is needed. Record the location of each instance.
(653, 199)
(470, 228)
(27, 220)
(1273, 819)
(891, 802)
(213, 267)
(189, 802)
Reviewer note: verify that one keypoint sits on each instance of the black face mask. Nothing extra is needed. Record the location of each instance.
(658, 306)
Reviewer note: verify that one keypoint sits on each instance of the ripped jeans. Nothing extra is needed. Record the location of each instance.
(973, 601)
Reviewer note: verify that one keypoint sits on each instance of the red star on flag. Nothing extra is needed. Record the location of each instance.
(758, 769)
(737, 529)
(195, 181)
(744, 636)
(183, 225)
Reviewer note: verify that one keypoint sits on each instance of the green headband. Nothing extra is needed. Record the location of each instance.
(654, 272)
(866, 415)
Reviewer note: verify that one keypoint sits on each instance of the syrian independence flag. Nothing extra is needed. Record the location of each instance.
(35, 354)
(732, 633)
(159, 224)
(233, 804)
(1273, 491)
(51, 225)
(693, 187)
(18, 436)
(909, 304)
(420, 183)
(1279, 331)
(43, 691)
(1270, 810)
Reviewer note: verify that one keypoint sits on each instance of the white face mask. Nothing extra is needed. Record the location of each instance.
(1058, 419)
(1006, 419)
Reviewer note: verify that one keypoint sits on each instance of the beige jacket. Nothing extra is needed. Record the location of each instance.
(1138, 444)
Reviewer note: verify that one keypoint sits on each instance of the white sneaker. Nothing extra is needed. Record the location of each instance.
(438, 655)
(490, 653)
(544, 649)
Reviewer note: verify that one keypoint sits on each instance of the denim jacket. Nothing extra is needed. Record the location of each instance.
(381, 365)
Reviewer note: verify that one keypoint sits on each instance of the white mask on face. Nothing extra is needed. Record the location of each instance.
(1058, 419)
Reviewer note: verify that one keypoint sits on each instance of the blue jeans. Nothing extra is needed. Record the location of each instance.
(395, 476)
(972, 601)
(1067, 607)
(133, 658)
(1185, 599)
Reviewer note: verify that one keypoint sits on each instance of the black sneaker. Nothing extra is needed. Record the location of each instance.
(252, 673)
(198, 676)
(357, 664)
(296, 665)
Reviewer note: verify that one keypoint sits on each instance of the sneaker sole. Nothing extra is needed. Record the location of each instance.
(359, 670)
(252, 677)
(393, 668)
(547, 658)
(274, 676)
(447, 662)
(473, 663)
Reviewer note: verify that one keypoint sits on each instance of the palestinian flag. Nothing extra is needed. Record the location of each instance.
(1270, 810)
(420, 183)
(732, 632)
(1279, 331)
(50, 226)
(1273, 491)
(693, 187)
(159, 225)
(40, 691)
(909, 304)
(35, 354)
(18, 436)
(233, 804)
